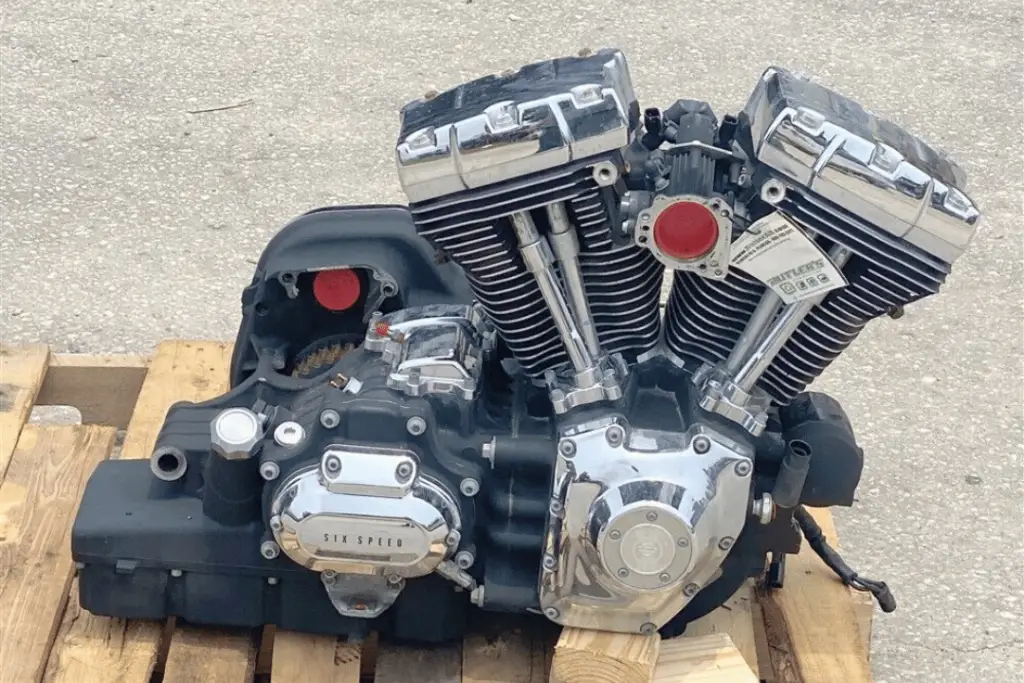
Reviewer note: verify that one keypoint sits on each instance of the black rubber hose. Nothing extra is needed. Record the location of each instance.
(789, 484)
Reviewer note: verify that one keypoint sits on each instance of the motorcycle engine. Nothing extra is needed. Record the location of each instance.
(480, 401)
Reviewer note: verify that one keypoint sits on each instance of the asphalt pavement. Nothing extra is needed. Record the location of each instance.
(148, 151)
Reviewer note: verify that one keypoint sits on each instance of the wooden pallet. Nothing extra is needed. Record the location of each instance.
(814, 631)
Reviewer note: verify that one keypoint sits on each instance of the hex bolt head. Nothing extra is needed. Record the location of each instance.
(275, 523)
(330, 418)
(176, 573)
(272, 580)
(464, 559)
(269, 550)
(623, 572)
(701, 445)
(726, 543)
(648, 629)
(567, 448)
(614, 436)
(469, 487)
(665, 577)
(403, 472)
(332, 464)
(270, 470)
(555, 508)
(652, 516)
(690, 590)
(453, 538)
(416, 425)
(683, 542)
(551, 613)
(550, 562)
(615, 534)
(394, 579)
(743, 468)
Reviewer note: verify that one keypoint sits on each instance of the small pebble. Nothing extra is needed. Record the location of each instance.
(972, 479)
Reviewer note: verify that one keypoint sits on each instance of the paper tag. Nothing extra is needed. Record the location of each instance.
(786, 260)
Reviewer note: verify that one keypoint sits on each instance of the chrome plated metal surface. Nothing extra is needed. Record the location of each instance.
(502, 127)
(817, 139)
(435, 349)
(364, 511)
(641, 514)
(566, 247)
(538, 258)
(236, 433)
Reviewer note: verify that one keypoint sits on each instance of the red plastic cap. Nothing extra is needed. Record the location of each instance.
(686, 230)
(337, 290)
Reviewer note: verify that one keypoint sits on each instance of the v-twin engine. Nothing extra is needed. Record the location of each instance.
(482, 400)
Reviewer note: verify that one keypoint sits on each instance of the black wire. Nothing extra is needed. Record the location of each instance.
(816, 539)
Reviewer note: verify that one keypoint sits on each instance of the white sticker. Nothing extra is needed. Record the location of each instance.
(779, 254)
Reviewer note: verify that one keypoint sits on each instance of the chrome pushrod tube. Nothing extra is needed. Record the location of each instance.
(775, 337)
(567, 249)
(537, 256)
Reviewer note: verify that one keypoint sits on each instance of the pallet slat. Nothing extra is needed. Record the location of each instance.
(584, 656)
(506, 649)
(210, 656)
(38, 501)
(702, 659)
(301, 658)
(398, 664)
(735, 618)
(21, 374)
(103, 388)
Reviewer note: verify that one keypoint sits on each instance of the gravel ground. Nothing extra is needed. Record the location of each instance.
(128, 217)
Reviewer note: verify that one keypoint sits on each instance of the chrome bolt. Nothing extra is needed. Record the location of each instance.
(648, 629)
(764, 508)
(289, 434)
(464, 559)
(555, 508)
(683, 542)
(79, 565)
(726, 543)
(269, 471)
(615, 534)
(652, 516)
(773, 191)
(394, 579)
(176, 573)
(550, 562)
(623, 573)
(272, 580)
(567, 448)
(332, 464)
(275, 523)
(614, 436)
(269, 550)
(416, 425)
(690, 590)
(701, 444)
(665, 577)
(330, 418)
(403, 472)
(743, 468)
(551, 613)
(453, 538)
(469, 487)
(328, 577)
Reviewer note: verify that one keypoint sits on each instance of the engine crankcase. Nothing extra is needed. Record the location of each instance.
(641, 520)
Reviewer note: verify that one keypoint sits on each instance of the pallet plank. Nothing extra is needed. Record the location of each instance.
(22, 370)
(104, 389)
(811, 625)
(302, 658)
(585, 656)
(210, 656)
(180, 371)
(398, 664)
(122, 652)
(735, 618)
(702, 659)
(38, 501)
(507, 649)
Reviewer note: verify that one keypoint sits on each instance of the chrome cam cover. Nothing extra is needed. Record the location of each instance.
(435, 349)
(365, 512)
(640, 521)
